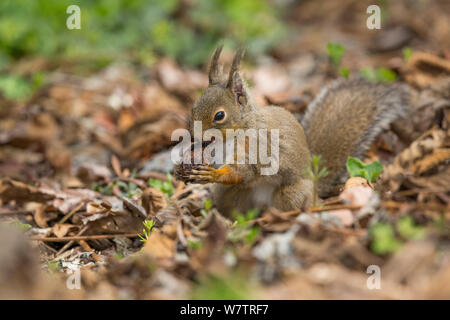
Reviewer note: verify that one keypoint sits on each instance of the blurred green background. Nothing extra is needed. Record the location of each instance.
(140, 30)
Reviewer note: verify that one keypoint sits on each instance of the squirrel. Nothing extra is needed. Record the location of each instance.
(343, 120)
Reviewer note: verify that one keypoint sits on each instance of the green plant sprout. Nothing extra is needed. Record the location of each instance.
(315, 173)
(165, 186)
(148, 226)
(407, 53)
(378, 75)
(54, 265)
(207, 207)
(21, 226)
(241, 219)
(409, 230)
(195, 244)
(243, 228)
(383, 239)
(129, 189)
(228, 287)
(369, 171)
(335, 54)
(106, 190)
(345, 72)
(19, 88)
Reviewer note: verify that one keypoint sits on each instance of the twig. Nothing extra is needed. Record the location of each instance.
(421, 206)
(68, 244)
(15, 212)
(334, 207)
(419, 190)
(90, 237)
(72, 212)
(86, 247)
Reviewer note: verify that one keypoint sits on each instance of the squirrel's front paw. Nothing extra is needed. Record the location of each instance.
(195, 173)
(207, 174)
(202, 174)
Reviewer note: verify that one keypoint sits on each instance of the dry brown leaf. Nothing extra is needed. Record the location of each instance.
(159, 246)
(19, 191)
(426, 68)
(357, 182)
(438, 156)
(136, 208)
(395, 173)
(40, 216)
(153, 200)
(115, 163)
(62, 229)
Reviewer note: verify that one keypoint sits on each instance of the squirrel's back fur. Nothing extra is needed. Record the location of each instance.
(345, 118)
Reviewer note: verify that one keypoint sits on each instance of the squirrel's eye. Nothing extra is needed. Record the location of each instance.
(219, 116)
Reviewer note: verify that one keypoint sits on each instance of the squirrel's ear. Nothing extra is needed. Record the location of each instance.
(214, 70)
(235, 82)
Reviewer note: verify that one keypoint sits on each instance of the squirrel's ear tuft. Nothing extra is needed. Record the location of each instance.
(214, 70)
(235, 82)
(238, 89)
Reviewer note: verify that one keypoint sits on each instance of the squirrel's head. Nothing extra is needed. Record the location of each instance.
(225, 101)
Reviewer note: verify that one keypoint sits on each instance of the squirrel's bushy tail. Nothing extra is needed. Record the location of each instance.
(345, 118)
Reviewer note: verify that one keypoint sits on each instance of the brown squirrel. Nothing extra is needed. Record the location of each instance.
(342, 121)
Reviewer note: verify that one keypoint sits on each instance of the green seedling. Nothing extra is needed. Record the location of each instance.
(409, 230)
(105, 190)
(241, 219)
(165, 186)
(345, 72)
(243, 229)
(383, 239)
(228, 287)
(21, 226)
(195, 244)
(335, 53)
(129, 189)
(54, 265)
(378, 75)
(407, 53)
(369, 171)
(207, 207)
(315, 172)
(148, 226)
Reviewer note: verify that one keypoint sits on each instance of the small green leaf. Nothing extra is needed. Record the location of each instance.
(345, 72)
(369, 171)
(369, 74)
(386, 75)
(122, 185)
(14, 87)
(208, 204)
(54, 265)
(165, 186)
(335, 53)
(195, 244)
(407, 53)
(409, 230)
(378, 75)
(383, 239)
(251, 214)
(148, 224)
(21, 226)
(253, 234)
